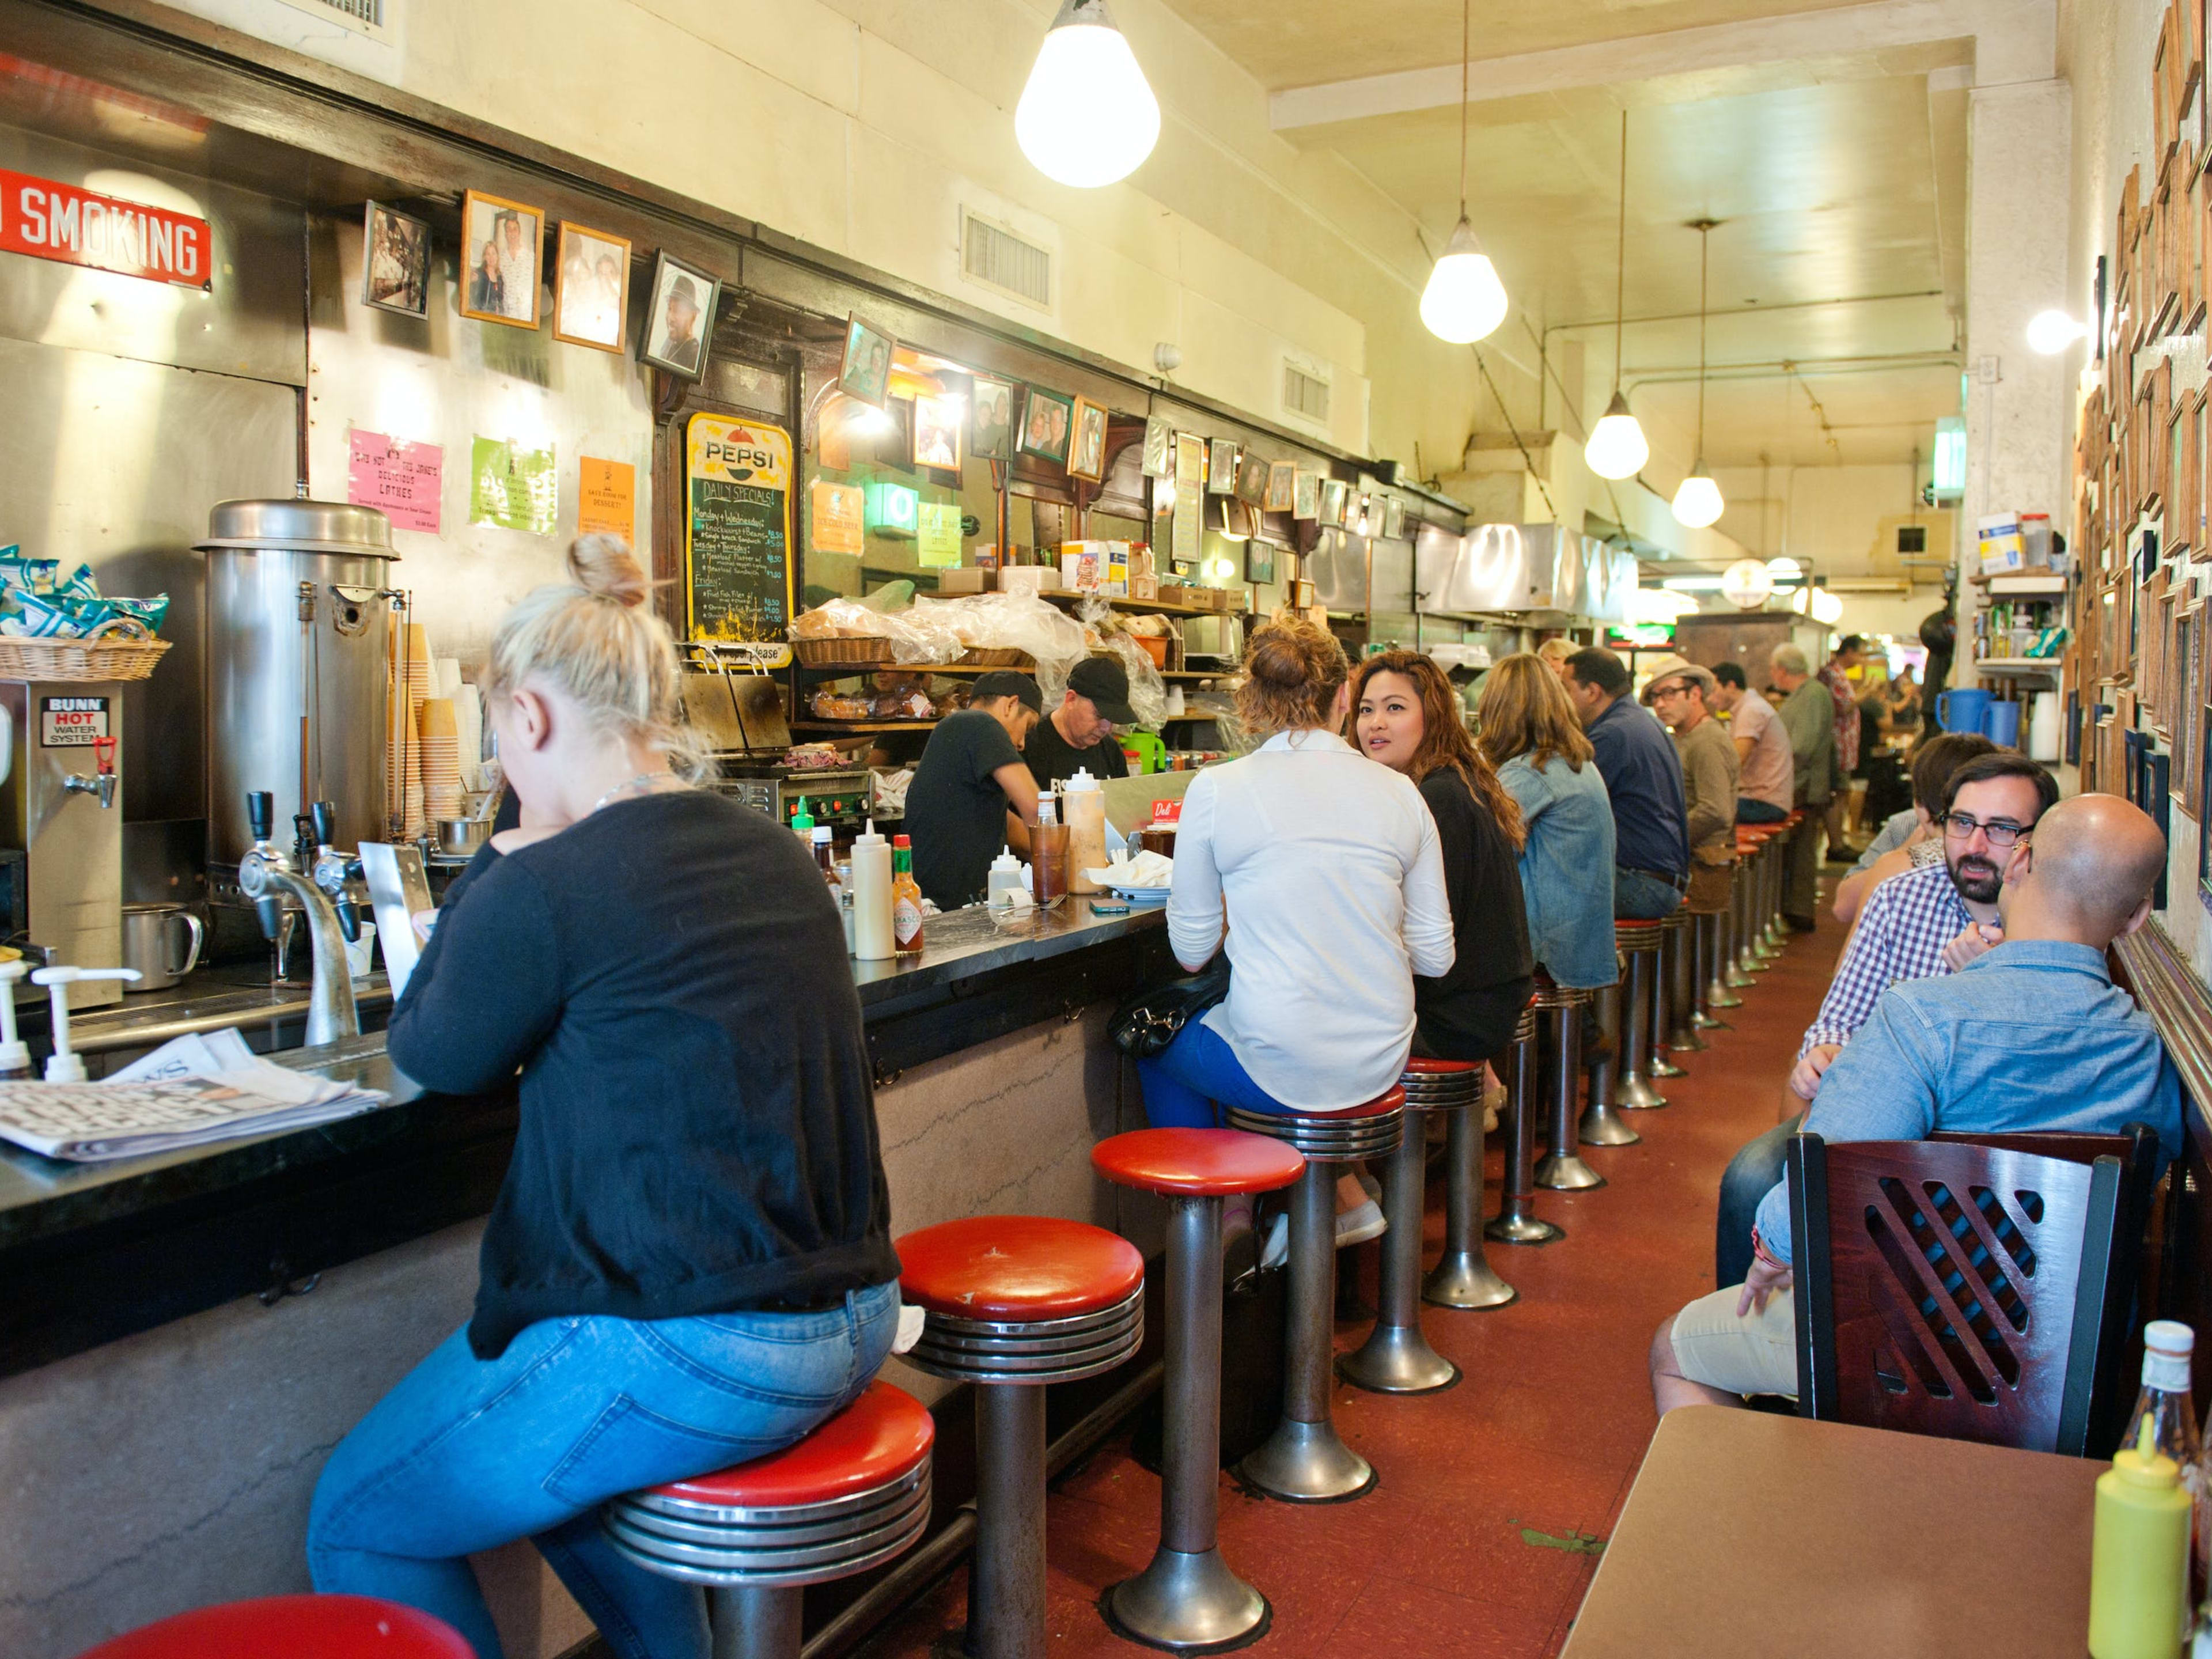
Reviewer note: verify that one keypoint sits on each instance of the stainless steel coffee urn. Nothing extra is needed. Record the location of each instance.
(300, 602)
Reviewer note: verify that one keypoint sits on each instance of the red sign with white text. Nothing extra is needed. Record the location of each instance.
(51, 220)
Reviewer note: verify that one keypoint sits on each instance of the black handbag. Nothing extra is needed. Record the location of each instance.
(1148, 1020)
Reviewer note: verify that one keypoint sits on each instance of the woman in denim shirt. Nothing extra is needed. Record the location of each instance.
(1530, 733)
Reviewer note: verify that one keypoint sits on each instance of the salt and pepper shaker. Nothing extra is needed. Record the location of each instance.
(65, 1065)
(15, 1053)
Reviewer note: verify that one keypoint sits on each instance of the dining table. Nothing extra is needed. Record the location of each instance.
(1753, 1533)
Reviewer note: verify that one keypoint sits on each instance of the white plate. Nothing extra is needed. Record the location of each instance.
(1146, 895)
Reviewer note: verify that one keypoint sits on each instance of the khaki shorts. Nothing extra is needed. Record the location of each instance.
(1757, 1354)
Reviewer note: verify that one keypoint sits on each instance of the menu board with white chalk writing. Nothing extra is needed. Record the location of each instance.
(737, 531)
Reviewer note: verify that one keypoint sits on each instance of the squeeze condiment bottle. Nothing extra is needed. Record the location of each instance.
(2139, 1556)
(873, 940)
(802, 824)
(1048, 854)
(1004, 880)
(906, 899)
(1082, 803)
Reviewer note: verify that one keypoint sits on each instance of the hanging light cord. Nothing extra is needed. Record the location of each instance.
(1704, 245)
(1621, 266)
(1466, 38)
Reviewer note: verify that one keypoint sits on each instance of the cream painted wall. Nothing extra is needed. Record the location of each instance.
(863, 126)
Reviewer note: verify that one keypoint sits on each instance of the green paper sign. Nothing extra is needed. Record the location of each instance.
(513, 489)
(937, 544)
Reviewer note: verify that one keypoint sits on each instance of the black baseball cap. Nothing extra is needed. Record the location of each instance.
(1005, 683)
(1106, 682)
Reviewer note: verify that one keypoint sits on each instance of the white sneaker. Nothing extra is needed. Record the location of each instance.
(1357, 1226)
(1276, 1249)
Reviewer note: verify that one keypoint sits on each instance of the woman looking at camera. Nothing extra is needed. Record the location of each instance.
(1407, 716)
(1546, 764)
(1321, 870)
(688, 1263)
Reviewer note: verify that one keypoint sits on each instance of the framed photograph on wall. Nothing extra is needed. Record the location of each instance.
(991, 419)
(1394, 520)
(938, 423)
(1333, 494)
(1221, 467)
(1086, 457)
(502, 243)
(1048, 424)
(1305, 494)
(1282, 485)
(395, 261)
(1252, 480)
(1159, 448)
(590, 287)
(679, 317)
(1259, 561)
(865, 372)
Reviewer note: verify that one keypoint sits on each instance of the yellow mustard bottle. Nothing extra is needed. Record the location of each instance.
(2139, 1560)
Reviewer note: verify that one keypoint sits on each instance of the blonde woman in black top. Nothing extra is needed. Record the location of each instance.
(688, 1263)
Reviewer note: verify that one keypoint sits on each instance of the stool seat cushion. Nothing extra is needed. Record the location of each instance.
(1635, 925)
(1197, 1163)
(292, 1627)
(1390, 1100)
(1420, 1066)
(1016, 1266)
(881, 1437)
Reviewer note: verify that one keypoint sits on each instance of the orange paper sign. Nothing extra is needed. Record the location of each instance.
(835, 516)
(606, 499)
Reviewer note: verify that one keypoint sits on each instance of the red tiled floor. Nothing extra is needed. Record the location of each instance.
(1477, 1541)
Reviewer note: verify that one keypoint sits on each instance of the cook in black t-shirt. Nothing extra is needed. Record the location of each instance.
(1079, 735)
(970, 776)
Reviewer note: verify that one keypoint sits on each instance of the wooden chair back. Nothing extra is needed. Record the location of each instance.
(1957, 1288)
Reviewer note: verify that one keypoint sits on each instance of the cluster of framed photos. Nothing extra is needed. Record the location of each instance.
(500, 280)
(992, 419)
(2143, 463)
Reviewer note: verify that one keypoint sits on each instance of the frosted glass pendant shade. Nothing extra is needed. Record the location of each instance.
(1464, 300)
(1087, 117)
(1616, 448)
(1698, 502)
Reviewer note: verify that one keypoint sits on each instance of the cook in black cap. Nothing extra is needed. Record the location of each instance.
(971, 792)
(1079, 733)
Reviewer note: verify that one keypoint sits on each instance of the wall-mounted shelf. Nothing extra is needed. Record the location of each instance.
(2047, 666)
(861, 728)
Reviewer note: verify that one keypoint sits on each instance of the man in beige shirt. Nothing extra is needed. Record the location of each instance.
(1682, 695)
(1764, 791)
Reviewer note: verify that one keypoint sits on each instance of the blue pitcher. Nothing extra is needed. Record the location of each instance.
(2001, 725)
(1962, 710)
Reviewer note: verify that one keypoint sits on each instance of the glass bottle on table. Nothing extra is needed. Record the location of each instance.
(2166, 1402)
(906, 899)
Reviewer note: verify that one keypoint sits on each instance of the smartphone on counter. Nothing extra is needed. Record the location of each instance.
(1110, 907)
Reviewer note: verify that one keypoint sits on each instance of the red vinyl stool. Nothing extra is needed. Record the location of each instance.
(1709, 931)
(1462, 1277)
(1563, 1169)
(1741, 960)
(853, 1493)
(1014, 1302)
(292, 1627)
(1187, 1599)
(1638, 943)
(1673, 1031)
(1516, 1222)
(1304, 1461)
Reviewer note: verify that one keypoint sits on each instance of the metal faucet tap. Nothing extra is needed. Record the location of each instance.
(337, 874)
(102, 781)
(267, 875)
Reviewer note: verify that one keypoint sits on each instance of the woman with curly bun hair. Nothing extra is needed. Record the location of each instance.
(1319, 871)
(689, 1264)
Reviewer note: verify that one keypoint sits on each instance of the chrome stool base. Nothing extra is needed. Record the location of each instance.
(1397, 1359)
(1565, 1172)
(1515, 1224)
(1308, 1463)
(1463, 1277)
(1186, 1603)
(1601, 1125)
(1464, 1280)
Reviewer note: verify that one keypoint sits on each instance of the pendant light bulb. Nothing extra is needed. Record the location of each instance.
(1087, 117)
(1698, 502)
(1617, 448)
(1464, 300)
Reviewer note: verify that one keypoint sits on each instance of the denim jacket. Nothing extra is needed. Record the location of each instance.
(1566, 869)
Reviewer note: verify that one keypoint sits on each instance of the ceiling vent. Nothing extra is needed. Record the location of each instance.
(361, 16)
(1305, 393)
(994, 255)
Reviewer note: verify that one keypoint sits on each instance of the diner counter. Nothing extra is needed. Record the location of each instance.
(90, 1252)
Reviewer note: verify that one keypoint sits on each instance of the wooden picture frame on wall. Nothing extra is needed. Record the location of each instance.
(500, 276)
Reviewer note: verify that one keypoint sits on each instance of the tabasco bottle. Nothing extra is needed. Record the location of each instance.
(906, 899)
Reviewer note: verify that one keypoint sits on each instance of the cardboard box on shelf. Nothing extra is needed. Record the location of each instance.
(1997, 538)
(1028, 579)
(1081, 567)
(967, 580)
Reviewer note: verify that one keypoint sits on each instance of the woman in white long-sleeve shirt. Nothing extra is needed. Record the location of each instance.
(1322, 868)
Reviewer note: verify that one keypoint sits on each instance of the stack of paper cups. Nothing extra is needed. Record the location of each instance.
(415, 679)
(441, 748)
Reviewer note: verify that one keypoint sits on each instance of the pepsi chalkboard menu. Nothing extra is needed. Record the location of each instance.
(737, 532)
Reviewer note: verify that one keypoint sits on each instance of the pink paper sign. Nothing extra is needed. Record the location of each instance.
(402, 479)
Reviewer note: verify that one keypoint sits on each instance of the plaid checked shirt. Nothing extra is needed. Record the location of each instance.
(1908, 921)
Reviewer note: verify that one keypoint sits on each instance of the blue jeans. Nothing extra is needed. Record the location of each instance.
(1759, 812)
(1750, 1175)
(1640, 898)
(465, 1453)
(1188, 1082)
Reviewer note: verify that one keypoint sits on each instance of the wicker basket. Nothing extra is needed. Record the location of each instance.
(862, 652)
(996, 657)
(107, 659)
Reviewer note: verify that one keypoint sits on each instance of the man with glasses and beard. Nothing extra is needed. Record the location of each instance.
(1924, 923)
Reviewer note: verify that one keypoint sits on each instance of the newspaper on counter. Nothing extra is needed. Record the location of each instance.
(188, 1092)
